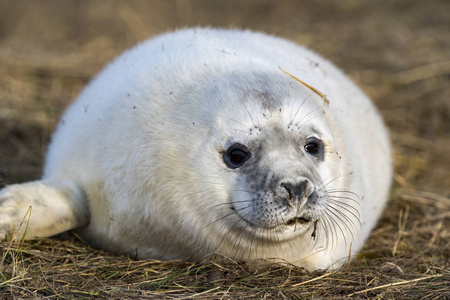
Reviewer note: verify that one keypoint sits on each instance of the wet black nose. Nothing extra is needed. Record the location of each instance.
(297, 190)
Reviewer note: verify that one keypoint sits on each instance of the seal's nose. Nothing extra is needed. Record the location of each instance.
(297, 191)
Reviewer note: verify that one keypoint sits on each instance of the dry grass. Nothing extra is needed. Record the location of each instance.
(397, 50)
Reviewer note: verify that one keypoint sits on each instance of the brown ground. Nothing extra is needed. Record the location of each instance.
(397, 50)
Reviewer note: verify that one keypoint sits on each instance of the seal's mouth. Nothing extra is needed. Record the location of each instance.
(297, 220)
(302, 220)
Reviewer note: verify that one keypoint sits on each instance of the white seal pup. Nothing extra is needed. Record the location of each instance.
(210, 141)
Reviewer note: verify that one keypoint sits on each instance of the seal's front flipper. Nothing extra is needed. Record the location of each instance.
(41, 209)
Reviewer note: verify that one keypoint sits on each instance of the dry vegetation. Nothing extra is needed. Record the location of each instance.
(397, 50)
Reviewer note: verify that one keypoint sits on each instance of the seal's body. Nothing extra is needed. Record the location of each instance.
(210, 141)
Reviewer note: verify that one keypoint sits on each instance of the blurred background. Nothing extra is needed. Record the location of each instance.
(398, 51)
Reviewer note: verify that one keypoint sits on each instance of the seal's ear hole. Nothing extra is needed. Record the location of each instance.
(236, 155)
(315, 147)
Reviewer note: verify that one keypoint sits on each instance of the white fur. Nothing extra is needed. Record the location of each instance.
(135, 163)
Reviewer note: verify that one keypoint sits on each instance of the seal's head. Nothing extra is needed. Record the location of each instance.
(265, 185)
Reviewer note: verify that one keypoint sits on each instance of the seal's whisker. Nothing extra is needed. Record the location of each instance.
(343, 191)
(238, 238)
(327, 226)
(309, 120)
(335, 226)
(220, 205)
(343, 217)
(283, 221)
(339, 221)
(233, 131)
(327, 229)
(231, 228)
(231, 204)
(347, 218)
(304, 117)
(275, 245)
(237, 247)
(344, 199)
(250, 245)
(347, 207)
(250, 115)
(220, 219)
(258, 241)
(229, 214)
(233, 120)
(334, 179)
(291, 121)
(321, 184)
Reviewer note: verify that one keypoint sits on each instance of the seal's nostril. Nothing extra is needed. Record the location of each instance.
(296, 191)
(288, 188)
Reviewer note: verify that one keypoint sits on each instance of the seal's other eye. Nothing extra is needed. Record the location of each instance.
(314, 147)
(236, 155)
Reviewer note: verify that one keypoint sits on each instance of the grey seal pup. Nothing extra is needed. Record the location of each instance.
(205, 141)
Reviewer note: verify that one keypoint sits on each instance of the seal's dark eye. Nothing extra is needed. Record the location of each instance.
(314, 147)
(236, 155)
